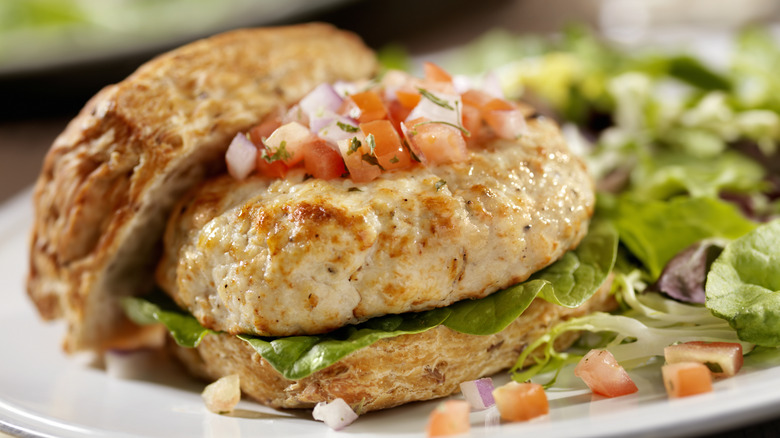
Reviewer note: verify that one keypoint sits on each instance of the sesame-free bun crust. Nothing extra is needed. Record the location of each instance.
(111, 178)
(391, 371)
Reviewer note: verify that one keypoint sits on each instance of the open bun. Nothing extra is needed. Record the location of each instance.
(111, 178)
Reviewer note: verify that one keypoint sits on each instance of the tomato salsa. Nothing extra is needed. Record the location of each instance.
(360, 130)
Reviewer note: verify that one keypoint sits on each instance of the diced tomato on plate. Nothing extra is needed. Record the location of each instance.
(604, 375)
(449, 418)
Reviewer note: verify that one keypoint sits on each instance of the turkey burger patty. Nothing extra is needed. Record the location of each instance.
(303, 255)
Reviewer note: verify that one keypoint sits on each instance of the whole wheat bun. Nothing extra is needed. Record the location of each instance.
(111, 178)
(392, 371)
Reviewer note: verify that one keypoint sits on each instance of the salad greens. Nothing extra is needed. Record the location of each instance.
(655, 231)
(296, 357)
(743, 286)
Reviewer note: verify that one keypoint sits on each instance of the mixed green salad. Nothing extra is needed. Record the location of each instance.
(688, 175)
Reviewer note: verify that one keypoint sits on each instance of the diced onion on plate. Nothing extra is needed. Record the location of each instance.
(223, 395)
(479, 393)
(336, 414)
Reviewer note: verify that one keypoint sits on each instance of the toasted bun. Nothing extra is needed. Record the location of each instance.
(391, 371)
(111, 178)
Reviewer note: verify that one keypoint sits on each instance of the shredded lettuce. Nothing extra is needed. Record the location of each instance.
(637, 335)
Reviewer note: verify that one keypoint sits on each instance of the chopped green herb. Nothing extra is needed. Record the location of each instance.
(438, 101)
(439, 184)
(411, 152)
(370, 159)
(280, 153)
(465, 131)
(354, 145)
(394, 159)
(354, 189)
(714, 367)
(371, 144)
(347, 127)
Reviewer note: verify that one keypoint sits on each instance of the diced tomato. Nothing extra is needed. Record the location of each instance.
(352, 151)
(439, 143)
(604, 375)
(521, 401)
(409, 99)
(274, 169)
(476, 98)
(449, 418)
(435, 73)
(287, 141)
(505, 118)
(496, 104)
(508, 124)
(323, 161)
(389, 151)
(264, 130)
(686, 378)
(370, 105)
(724, 359)
(472, 121)
(397, 113)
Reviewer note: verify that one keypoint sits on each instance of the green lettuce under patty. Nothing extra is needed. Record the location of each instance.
(568, 282)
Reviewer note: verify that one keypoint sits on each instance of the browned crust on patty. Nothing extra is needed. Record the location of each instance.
(110, 179)
(391, 371)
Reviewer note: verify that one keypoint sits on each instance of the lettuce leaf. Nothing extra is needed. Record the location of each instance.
(743, 285)
(655, 231)
(296, 357)
(670, 174)
(569, 282)
(185, 329)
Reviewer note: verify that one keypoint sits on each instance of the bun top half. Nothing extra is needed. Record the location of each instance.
(112, 177)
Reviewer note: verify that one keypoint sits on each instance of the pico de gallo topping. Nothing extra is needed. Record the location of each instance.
(362, 130)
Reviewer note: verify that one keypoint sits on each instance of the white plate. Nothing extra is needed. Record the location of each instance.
(45, 393)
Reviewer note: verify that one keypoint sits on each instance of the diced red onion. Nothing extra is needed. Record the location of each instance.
(241, 157)
(317, 122)
(393, 80)
(508, 124)
(344, 88)
(295, 114)
(337, 414)
(332, 132)
(491, 84)
(462, 83)
(321, 100)
(434, 111)
(223, 395)
(479, 393)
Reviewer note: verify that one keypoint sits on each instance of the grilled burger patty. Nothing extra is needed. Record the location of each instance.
(305, 256)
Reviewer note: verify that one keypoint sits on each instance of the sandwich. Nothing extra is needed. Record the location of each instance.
(321, 231)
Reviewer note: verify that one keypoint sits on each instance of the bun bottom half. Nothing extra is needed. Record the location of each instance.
(391, 371)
